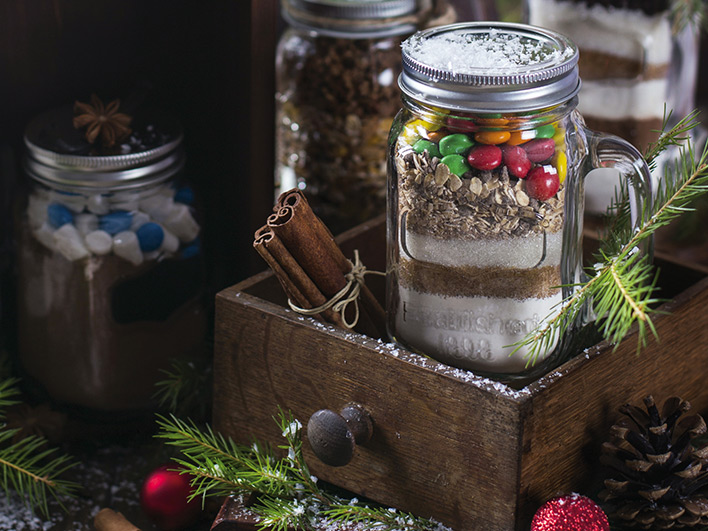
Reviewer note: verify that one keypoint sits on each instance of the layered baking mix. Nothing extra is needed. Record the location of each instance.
(480, 220)
(625, 54)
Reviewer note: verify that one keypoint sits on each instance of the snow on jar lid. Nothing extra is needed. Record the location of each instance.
(59, 154)
(490, 67)
(354, 19)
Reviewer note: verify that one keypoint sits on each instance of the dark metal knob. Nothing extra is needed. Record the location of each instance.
(333, 436)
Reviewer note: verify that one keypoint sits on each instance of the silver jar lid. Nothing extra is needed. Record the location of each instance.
(57, 156)
(490, 67)
(352, 18)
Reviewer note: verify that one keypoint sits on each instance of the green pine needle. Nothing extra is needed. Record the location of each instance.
(288, 496)
(622, 283)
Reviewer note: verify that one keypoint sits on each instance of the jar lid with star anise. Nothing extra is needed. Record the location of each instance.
(92, 145)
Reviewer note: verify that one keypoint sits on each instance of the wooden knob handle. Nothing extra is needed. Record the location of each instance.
(333, 436)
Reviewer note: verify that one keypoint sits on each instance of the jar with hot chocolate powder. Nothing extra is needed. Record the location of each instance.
(110, 273)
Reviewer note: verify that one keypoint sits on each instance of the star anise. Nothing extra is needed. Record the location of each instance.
(104, 121)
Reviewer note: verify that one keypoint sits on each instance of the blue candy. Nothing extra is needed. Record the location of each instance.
(192, 249)
(115, 222)
(150, 236)
(59, 215)
(185, 195)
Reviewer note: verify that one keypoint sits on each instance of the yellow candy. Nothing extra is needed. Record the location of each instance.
(561, 164)
(559, 137)
(492, 137)
(416, 129)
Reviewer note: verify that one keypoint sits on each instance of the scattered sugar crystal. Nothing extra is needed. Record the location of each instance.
(126, 245)
(69, 242)
(86, 223)
(465, 52)
(98, 204)
(99, 242)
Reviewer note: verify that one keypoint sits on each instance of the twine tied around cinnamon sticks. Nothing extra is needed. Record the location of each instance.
(312, 269)
(349, 294)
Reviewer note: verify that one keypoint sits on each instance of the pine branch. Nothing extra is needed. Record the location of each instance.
(288, 496)
(688, 12)
(622, 283)
(182, 390)
(33, 471)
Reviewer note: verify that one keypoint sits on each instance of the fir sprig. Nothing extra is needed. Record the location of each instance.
(181, 391)
(621, 285)
(28, 466)
(288, 496)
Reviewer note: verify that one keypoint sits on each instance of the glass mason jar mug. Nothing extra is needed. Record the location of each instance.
(110, 283)
(486, 170)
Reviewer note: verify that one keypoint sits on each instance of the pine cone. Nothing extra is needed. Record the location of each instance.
(658, 477)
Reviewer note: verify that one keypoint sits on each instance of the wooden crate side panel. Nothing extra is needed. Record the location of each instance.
(571, 417)
(441, 447)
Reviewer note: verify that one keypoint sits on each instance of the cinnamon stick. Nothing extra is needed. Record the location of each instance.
(109, 520)
(328, 253)
(295, 282)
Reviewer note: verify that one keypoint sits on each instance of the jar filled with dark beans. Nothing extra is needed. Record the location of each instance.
(336, 96)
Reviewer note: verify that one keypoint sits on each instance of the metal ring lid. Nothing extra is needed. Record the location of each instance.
(352, 18)
(57, 155)
(490, 67)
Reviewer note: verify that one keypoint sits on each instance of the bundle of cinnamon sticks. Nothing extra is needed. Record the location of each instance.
(309, 264)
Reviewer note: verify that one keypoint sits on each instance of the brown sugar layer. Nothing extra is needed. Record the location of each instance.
(639, 132)
(596, 65)
(468, 281)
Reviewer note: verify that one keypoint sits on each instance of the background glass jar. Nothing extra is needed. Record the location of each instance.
(110, 274)
(638, 62)
(336, 96)
(486, 173)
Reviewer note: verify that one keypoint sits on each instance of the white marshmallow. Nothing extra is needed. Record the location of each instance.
(170, 242)
(45, 236)
(69, 242)
(98, 204)
(182, 224)
(86, 223)
(126, 245)
(99, 242)
(139, 219)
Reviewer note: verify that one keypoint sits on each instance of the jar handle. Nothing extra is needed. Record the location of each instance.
(610, 151)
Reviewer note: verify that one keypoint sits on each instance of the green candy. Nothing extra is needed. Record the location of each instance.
(456, 163)
(545, 131)
(457, 144)
(426, 145)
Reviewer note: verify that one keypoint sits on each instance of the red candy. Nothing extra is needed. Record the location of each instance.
(516, 160)
(485, 157)
(540, 149)
(542, 182)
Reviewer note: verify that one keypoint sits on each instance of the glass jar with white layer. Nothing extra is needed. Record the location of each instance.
(486, 185)
(110, 272)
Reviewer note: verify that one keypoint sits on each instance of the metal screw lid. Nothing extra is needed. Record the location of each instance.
(490, 67)
(352, 18)
(57, 156)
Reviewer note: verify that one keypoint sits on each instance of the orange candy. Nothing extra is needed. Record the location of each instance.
(492, 137)
(521, 137)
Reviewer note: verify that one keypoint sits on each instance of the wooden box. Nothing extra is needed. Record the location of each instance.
(468, 451)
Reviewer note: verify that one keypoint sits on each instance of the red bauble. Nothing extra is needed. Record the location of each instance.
(570, 513)
(164, 498)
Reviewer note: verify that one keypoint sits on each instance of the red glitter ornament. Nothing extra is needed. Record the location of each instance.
(570, 513)
(164, 498)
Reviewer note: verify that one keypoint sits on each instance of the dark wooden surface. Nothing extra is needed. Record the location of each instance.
(111, 474)
(499, 454)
